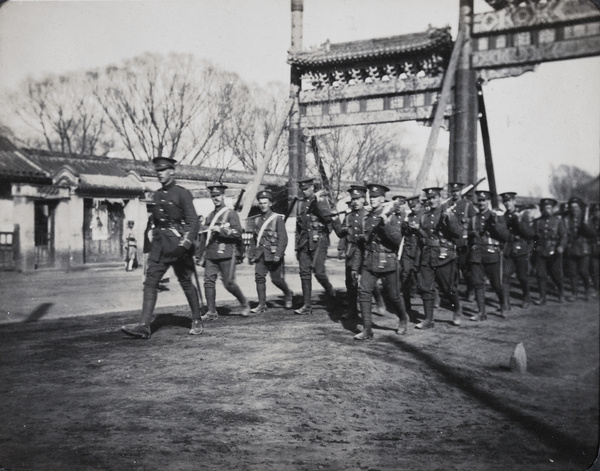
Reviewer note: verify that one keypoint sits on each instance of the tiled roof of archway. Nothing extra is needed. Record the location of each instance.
(432, 40)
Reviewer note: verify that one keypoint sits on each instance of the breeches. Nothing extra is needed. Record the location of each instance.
(212, 268)
(549, 266)
(261, 268)
(444, 275)
(313, 261)
(492, 270)
(183, 268)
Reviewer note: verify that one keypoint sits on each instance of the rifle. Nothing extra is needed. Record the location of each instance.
(237, 206)
(290, 209)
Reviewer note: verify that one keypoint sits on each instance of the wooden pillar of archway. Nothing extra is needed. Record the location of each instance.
(296, 146)
(462, 159)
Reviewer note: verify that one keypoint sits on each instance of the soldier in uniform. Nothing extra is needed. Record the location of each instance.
(464, 210)
(409, 258)
(577, 252)
(487, 232)
(270, 240)
(438, 229)
(175, 228)
(516, 249)
(314, 223)
(549, 242)
(382, 238)
(352, 233)
(220, 242)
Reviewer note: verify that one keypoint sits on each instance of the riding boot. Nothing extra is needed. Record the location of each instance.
(192, 297)
(211, 296)
(148, 303)
(428, 323)
(542, 300)
(306, 295)
(261, 290)
(506, 293)
(456, 309)
(480, 298)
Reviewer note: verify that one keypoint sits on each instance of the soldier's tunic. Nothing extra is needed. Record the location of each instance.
(409, 260)
(380, 261)
(516, 250)
(352, 233)
(577, 252)
(220, 254)
(437, 232)
(549, 234)
(175, 224)
(464, 211)
(486, 233)
(271, 246)
(313, 226)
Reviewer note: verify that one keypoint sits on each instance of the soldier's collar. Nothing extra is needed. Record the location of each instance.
(168, 186)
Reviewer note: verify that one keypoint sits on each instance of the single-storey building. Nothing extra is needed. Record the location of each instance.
(71, 211)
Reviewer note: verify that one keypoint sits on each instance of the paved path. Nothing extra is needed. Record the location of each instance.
(54, 294)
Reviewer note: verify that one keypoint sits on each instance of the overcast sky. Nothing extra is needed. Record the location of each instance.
(538, 120)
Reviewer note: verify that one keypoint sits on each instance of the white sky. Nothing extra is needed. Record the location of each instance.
(538, 120)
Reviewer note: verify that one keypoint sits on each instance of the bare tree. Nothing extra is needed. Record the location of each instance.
(364, 153)
(251, 124)
(569, 180)
(151, 102)
(63, 115)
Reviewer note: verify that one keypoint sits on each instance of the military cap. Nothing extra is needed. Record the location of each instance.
(217, 189)
(412, 198)
(357, 191)
(508, 195)
(376, 189)
(576, 199)
(305, 182)
(455, 185)
(162, 163)
(264, 194)
(550, 201)
(432, 192)
(483, 195)
(400, 198)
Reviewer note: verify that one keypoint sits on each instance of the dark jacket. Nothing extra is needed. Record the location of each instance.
(273, 240)
(226, 242)
(175, 222)
(487, 232)
(438, 230)
(381, 242)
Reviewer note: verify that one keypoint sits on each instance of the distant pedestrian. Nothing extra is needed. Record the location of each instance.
(131, 261)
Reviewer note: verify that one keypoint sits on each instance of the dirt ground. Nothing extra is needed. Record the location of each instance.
(284, 392)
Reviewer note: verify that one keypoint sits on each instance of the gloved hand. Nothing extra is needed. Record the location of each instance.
(276, 259)
(179, 251)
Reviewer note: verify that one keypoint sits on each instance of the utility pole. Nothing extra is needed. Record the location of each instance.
(462, 160)
(296, 146)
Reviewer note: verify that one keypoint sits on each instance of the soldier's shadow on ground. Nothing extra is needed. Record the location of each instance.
(170, 320)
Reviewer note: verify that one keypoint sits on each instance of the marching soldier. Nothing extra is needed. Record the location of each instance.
(313, 226)
(577, 252)
(221, 239)
(516, 249)
(550, 239)
(270, 241)
(486, 232)
(352, 233)
(409, 258)
(175, 228)
(438, 229)
(382, 238)
(464, 210)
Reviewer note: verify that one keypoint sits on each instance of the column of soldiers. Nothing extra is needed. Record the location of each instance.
(404, 245)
